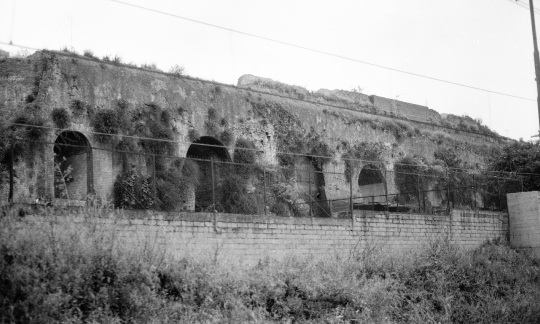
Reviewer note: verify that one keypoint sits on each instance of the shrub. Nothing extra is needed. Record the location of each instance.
(320, 152)
(177, 70)
(280, 209)
(117, 60)
(31, 125)
(89, 54)
(449, 156)
(171, 185)
(440, 137)
(245, 152)
(106, 122)
(57, 272)
(234, 198)
(132, 190)
(78, 106)
(60, 117)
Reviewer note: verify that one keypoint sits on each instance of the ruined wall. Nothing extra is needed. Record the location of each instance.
(53, 80)
(249, 239)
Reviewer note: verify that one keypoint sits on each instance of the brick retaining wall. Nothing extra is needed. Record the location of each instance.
(248, 239)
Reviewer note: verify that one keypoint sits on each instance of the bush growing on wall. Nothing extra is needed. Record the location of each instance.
(244, 152)
(320, 152)
(106, 122)
(234, 198)
(171, 184)
(60, 117)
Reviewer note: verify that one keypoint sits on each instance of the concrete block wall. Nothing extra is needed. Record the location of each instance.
(250, 239)
(524, 216)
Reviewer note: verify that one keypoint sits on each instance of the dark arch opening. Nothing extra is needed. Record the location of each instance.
(208, 152)
(206, 148)
(73, 171)
(372, 184)
(369, 175)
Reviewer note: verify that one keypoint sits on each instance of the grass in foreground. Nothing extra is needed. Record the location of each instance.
(57, 272)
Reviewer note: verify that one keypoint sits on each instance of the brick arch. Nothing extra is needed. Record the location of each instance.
(73, 167)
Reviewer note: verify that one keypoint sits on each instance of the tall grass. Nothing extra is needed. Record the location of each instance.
(75, 272)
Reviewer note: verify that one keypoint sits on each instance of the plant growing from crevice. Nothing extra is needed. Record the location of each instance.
(211, 124)
(320, 153)
(245, 154)
(105, 122)
(60, 117)
(78, 107)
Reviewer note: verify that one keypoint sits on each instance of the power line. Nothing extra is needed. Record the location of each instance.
(218, 146)
(524, 5)
(319, 51)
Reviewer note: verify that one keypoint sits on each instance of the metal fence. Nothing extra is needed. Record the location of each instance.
(70, 172)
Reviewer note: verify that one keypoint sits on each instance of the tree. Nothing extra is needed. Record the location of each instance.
(521, 157)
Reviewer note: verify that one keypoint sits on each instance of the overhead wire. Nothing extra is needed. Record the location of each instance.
(220, 146)
(319, 51)
(524, 5)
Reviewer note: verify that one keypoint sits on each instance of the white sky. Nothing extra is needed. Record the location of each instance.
(482, 43)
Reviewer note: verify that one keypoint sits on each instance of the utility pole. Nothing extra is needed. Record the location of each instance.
(536, 58)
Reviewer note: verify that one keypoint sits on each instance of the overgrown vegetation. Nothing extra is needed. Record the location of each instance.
(57, 272)
(363, 151)
(133, 191)
(520, 157)
(290, 135)
(60, 117)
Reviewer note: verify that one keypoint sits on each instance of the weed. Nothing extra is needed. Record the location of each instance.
(60, 117)
(78, 106)
(116, 60)
(56, 271)
(89, 54)
(177, 70)
(106, 121)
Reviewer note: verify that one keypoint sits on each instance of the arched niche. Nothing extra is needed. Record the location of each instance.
(208, 152)
(73, 171)
(371, 183)
(207, 148)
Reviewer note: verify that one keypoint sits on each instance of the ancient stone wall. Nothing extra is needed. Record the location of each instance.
(337, 118)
